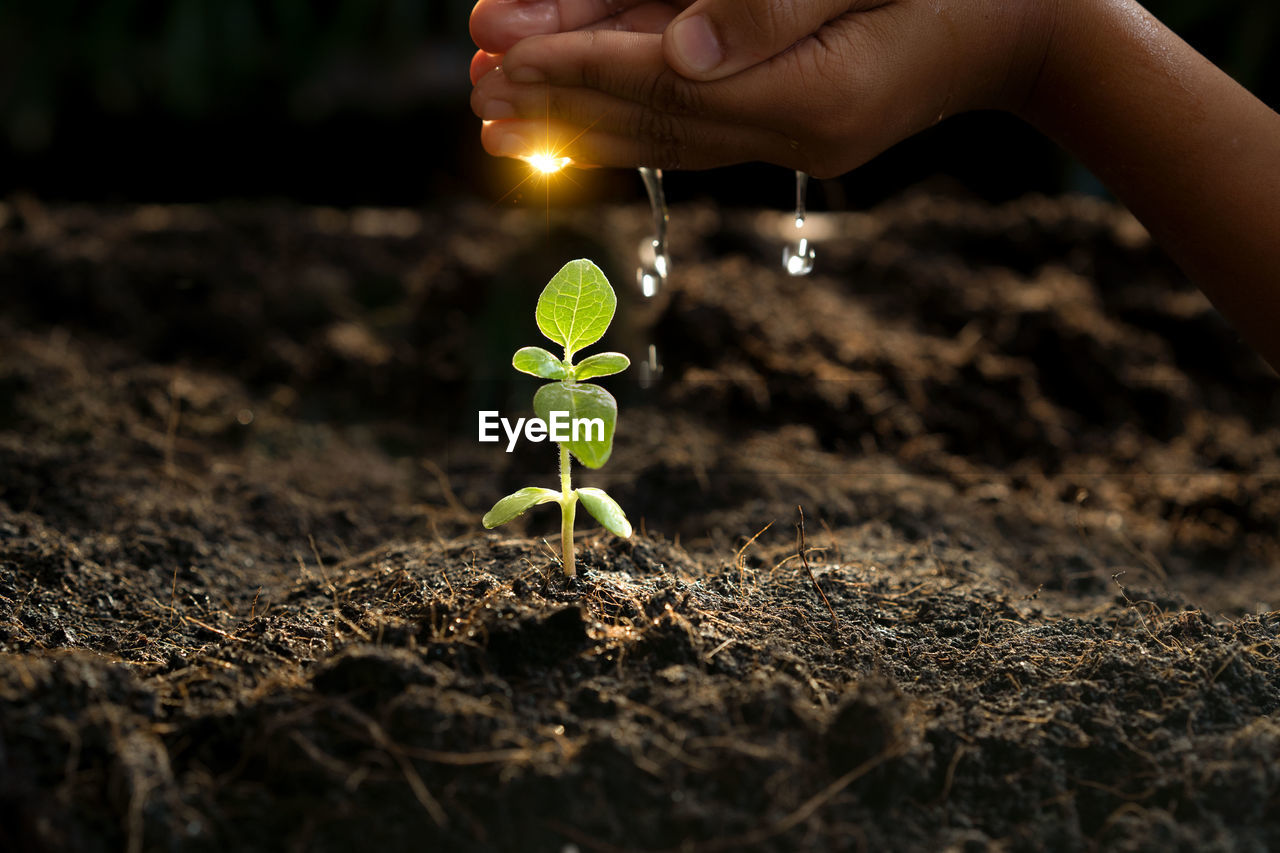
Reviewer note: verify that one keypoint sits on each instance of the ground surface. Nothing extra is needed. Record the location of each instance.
(246, 603)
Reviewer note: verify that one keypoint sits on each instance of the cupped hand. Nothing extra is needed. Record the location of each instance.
(496, 25)
(816, 85)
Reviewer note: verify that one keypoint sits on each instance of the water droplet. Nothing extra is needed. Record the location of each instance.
(655, 263)
(798, 257)
(650, 368)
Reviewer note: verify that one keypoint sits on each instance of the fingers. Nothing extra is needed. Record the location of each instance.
(630, 66)
(693, 144)
(713, 39)
(646, 16)
(665, 136)
(825, 107)
(482, 63)
(498, 24)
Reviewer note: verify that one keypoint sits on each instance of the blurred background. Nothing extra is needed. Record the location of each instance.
(349, 102)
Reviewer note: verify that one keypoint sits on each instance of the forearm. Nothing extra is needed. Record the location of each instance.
(1192, 153)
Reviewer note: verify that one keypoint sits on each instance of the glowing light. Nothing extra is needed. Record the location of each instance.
(547, 164)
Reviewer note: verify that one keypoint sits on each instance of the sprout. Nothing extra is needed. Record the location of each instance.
(574, 310)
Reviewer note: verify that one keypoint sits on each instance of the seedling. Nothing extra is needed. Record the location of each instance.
(574, 310)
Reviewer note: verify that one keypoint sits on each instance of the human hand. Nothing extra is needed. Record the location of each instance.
(816, 85)
(496, 25)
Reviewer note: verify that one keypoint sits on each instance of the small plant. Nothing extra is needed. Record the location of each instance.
(574, 310)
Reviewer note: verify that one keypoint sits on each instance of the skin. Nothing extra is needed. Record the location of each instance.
(824, 86)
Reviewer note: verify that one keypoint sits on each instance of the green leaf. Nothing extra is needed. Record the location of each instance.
(604, 364)
(538, 362)
(576, 306)
(516, 503)
(580, 402)
(605, 510)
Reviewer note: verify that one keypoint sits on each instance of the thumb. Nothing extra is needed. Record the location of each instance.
(715, 38)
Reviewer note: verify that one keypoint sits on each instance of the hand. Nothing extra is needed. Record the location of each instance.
(496, 25)
(824, 85)
(816, 85)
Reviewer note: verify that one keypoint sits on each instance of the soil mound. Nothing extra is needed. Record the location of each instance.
(246, 602)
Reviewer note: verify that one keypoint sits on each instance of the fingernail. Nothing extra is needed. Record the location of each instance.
(696, 45)
(497, 111)
(511, 144)
(524, 74)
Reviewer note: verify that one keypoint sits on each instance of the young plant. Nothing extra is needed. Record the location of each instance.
(574, 310)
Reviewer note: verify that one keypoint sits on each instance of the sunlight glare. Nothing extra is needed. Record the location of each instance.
(547, 164)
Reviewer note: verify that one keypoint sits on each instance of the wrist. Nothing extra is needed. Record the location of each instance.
(1003, 52)
(1044, 54)
(1098, 55)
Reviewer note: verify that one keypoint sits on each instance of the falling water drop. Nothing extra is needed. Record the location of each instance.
(650, 368)
(655, 263)
(798, 257)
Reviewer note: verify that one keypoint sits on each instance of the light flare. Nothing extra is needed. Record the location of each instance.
(547, 163)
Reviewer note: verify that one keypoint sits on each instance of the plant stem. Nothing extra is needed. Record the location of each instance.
(568, 507)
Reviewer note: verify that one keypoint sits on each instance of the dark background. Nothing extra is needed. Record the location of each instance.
(365, 102)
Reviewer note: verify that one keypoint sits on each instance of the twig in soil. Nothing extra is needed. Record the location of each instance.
(1152, 564)
(552, 551)
(212, 629)
(835, 620)
(1235, 653)
(334, 766)
(18, 609)
(173, 596)
(893, 596)
(443, 480)
(469, 759)
(356, 629)
(429, 803)
(737, 558)
(1118, 793)
(951, 774)
(824, 796)
(333, 592)
(1134, 809)
(797, 817)
(315, 552)
(707, 657)
(36, 641)
(1116, 577)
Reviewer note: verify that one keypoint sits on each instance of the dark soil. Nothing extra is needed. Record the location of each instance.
(246, 602)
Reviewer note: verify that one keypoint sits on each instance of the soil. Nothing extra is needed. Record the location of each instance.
(246, 602)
